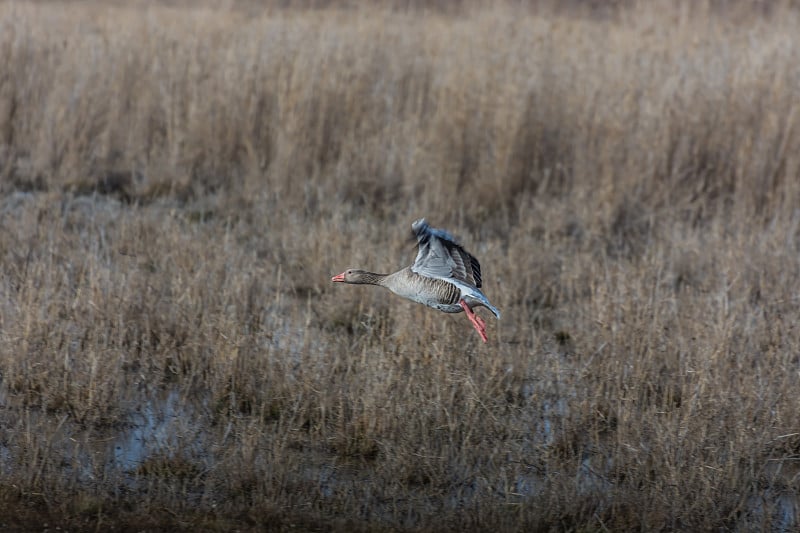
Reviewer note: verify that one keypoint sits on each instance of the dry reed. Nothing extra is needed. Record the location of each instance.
(179, 183)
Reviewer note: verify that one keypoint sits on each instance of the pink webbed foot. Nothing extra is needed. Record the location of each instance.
(481, 331)
(477, 322)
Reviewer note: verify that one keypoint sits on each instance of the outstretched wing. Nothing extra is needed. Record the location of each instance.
(440, 256)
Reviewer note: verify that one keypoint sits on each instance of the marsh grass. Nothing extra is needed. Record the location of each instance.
(180, 182)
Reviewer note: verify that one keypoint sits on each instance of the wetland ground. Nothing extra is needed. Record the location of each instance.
(178, 182)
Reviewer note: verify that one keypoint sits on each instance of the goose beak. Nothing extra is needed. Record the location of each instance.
(338, 277)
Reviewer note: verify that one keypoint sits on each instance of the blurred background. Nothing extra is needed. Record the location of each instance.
(179, 181)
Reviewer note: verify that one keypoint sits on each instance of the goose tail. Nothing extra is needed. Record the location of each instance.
(476, 295)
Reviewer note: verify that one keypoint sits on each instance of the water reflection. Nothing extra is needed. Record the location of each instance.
(169, 435)
(154, 430)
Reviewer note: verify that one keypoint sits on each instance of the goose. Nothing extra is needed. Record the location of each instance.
(444, 276)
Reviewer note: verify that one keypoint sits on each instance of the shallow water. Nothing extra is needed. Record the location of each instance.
(155, 429)
(168, 427)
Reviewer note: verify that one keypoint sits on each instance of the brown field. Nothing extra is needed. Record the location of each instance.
(178, 183)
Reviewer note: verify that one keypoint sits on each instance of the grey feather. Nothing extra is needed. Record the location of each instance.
(441, 256)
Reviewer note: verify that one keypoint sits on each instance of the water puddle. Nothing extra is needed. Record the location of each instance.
(167, 435)
(155, 430)
(771, 511)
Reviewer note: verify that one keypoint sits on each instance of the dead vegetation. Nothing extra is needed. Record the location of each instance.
(179, 183)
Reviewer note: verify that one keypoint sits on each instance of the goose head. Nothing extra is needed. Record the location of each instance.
(356, 276)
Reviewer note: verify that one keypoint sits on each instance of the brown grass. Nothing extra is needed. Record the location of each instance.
(178, 184)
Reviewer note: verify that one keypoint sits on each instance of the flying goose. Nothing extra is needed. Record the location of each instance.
(444, 276)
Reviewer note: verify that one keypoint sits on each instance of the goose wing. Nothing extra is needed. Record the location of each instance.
(440, 256)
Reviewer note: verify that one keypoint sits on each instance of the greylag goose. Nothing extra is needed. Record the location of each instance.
(444, 276)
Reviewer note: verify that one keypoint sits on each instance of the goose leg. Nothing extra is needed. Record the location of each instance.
(477, 322)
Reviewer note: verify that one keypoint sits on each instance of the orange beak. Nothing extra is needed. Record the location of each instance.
(338, 277)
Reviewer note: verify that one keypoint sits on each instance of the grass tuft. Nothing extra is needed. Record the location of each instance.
(179, 181)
